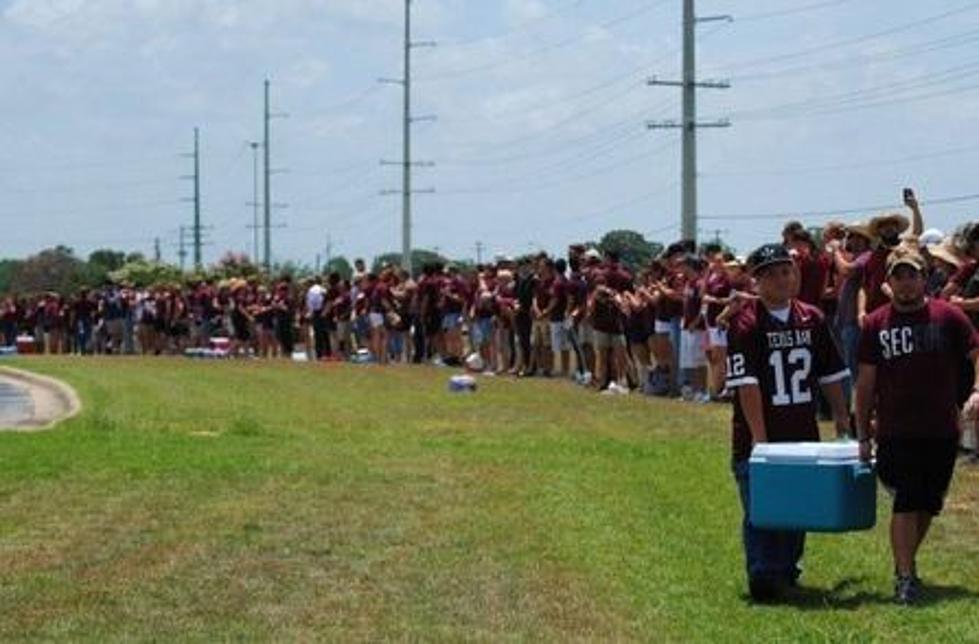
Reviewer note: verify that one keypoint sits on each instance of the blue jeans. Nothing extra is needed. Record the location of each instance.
(9, 334)
(769, 554)
(849, 334)
(677, 377)
(396, 344)
(83, 337)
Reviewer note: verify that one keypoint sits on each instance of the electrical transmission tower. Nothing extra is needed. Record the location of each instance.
(406, 162)
(196, 199)
(268, 205)
(689, 124)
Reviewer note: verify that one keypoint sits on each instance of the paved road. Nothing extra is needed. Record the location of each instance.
(16, 404)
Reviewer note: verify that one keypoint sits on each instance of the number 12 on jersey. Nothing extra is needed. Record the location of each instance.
(791, 376)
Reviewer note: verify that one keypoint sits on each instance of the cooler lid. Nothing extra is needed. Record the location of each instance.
(837, 452)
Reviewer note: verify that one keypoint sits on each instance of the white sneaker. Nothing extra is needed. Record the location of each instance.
(617, 388)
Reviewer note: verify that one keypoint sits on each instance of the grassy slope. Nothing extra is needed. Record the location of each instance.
(205, 501)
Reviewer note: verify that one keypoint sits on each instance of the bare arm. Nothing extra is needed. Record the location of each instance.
(866, 384)
(837, 402)
(750, 398)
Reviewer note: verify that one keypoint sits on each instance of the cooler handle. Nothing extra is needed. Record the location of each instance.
(863, 469)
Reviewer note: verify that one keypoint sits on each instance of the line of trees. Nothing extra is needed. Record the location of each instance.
(60, 270)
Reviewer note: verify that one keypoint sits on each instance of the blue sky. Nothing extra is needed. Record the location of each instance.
(540, 137)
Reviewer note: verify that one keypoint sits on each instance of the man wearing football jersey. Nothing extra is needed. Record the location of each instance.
(909, 354)
(780, 351)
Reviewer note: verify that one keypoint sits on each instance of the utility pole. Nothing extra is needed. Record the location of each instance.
(255, 202)
(157, 256)
(268, 205)
(406, 162)
(182, 252)
(196, 199)
(717, 234)
(479, 252)
(689, 124)
(329, 249)
(268, 187)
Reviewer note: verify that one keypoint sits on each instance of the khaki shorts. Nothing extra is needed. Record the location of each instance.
(604, 341)
(541, 333)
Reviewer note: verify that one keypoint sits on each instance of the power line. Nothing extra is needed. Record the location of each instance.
(842, 99)
(928, 46)
(844, 166)
(533, 22)
(846, 42)
(457, 73)
(547, 185)
(809, 8)
(840, 211)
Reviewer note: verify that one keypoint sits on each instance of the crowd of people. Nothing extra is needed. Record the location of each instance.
(885, 298)
(660, 330)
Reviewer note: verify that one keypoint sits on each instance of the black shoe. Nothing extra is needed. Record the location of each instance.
(906, 589)
(763, 589)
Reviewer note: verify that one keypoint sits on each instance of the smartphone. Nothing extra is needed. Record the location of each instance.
(908, 194)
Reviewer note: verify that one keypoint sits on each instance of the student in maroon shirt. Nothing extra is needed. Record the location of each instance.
(813, 267)
(780, 351)
(669, 318)
(887, 229)
(716, 295)
(910, 356)
(543, 355)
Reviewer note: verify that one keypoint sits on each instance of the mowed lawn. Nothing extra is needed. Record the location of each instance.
(205, 501)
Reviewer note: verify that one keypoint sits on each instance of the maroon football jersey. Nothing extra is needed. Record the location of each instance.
(788, 361)
(918, 356)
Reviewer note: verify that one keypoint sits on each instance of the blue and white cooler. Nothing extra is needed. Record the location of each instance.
(812, 487)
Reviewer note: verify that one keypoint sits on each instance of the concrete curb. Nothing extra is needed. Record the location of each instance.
(54, 401)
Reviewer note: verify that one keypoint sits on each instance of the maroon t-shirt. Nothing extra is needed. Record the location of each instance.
(965, 274)
(542, 293)
(669, 308)
(788, 361)
(716, 285)
(813, 270)
(617, 278)
(918, 356)
(559, 295)
(607, 317)
(455, 295)
(380, 297)
(874, 276)
(692, 302)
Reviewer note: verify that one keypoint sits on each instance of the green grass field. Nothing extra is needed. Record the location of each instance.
(201, 501)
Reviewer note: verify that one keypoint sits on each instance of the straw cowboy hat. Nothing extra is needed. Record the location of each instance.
(946, 253)
(903, 223)
(860, 228)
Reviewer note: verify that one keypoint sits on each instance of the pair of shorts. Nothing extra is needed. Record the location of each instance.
(540, 333)
(451, 321)
(663, 327)
(481, 332)
(716, 336)
(917, 471)
(585, 334)
(559, 336)
(605, 341)
(376, 320)
(692, 355)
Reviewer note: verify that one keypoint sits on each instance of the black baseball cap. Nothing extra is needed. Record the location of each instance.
(768, 255)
